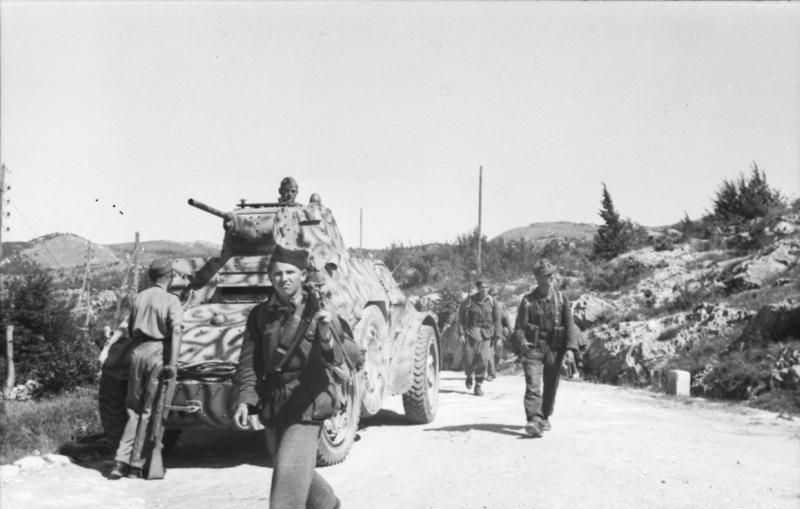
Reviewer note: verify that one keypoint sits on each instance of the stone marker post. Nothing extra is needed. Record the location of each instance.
(678, 382)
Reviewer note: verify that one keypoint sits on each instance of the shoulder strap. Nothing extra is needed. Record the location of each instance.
(557, 297)
(291, 339)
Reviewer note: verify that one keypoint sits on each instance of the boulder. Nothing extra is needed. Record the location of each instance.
(589, 309)
(765, 267)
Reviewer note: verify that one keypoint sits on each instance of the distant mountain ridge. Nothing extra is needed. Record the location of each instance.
(57, 251)
(537, 232)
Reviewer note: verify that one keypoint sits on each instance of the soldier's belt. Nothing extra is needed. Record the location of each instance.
(283, 376)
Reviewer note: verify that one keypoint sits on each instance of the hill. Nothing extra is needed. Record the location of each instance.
(537, 232)
(65, 251)
(57, 251)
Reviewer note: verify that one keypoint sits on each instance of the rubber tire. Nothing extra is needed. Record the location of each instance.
(371, 334)
(111, 401)
(339, 432)
(422, 399)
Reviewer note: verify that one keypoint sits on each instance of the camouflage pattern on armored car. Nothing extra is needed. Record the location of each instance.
(401, 343)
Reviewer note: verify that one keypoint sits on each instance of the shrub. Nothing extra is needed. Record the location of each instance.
(49, 346)
(446, 308)
(747, 198)
(613, 276)
(747, 374)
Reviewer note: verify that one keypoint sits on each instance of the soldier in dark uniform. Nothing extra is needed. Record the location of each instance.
(544, 332)
(290, 388)
(154, 320)
(478, 326)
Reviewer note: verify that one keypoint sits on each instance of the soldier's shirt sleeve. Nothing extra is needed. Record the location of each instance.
(245, 372)
(175, 312)
(461, 317)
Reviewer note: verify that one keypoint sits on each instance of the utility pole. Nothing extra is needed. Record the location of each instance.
(10, 375)
(125, 288)
(480, 204)
(85, 297)
(135, 288)
(360, 230)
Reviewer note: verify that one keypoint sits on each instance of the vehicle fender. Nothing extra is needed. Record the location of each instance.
(405, 331)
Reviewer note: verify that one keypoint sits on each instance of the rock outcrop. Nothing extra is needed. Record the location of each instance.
(764, 268)
(629, 352)
(772, 323)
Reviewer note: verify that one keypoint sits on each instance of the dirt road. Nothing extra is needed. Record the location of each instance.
(609, 448)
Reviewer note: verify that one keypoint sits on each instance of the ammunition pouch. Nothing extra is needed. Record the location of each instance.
(532, 333)
(554, 339)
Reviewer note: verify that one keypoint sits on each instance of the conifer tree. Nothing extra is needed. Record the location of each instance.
(611, 238)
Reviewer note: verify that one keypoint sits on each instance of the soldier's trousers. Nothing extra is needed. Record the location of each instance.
(146, 362)
(476, 357)
(542, 368)
(295, 482)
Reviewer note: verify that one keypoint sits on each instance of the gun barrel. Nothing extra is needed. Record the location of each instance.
(207, 208)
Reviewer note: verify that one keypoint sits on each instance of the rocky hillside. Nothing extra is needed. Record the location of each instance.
(687, 306)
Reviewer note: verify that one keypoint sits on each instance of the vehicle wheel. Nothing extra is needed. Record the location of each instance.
(370, 334)
(422, 400)
(339, 431)
(111, 400)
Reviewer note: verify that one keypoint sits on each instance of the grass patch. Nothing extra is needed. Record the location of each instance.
(41, 427)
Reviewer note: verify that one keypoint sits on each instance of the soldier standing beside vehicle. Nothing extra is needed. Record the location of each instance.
(544, 332)
(155, 319)
(478, 327)
(288, 386)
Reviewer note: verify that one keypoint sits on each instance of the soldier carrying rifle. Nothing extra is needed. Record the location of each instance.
(154, 320)
(291, 352)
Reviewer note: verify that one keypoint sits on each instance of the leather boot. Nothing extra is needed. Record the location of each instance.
(119, 471)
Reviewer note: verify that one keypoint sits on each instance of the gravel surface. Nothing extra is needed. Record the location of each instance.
(609, 448)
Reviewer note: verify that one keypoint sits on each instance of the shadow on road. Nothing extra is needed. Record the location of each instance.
(503, 429)
(218, 449)
(223, 449)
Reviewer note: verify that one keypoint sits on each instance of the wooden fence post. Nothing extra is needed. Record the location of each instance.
(9, 359)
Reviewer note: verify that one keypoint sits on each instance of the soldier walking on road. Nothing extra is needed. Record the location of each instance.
(478, 327)
(283, 378)
(497, 346)
(544, 332)
(154, 320)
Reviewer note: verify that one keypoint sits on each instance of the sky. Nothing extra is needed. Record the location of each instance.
(113, 114)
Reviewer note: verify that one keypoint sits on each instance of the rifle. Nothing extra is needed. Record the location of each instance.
(155, 466)
(316, 288)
